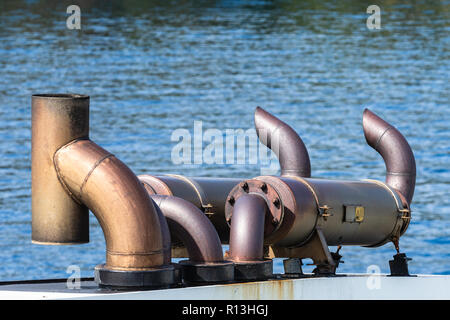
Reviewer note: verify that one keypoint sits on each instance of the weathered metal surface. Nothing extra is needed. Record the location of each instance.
(382, 219)
(56, 120)
(119, 201)
(268, 194)
(396, 152)
(72, 174)
(192, 227)
(349, 287)
(284, 142)
(192, 189)
(247, 228)
(165, 233)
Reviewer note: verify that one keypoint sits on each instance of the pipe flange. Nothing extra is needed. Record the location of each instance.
(217, 272)
(163, 277)
(253, 270)
(275, 213)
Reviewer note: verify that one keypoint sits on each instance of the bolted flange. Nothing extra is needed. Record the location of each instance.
(163, 277)
(253, 270)
(275, 213)
(217, 272)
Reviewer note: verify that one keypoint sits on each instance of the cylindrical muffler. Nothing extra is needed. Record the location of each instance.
(57, 119)
(208, 194)
(364, 213)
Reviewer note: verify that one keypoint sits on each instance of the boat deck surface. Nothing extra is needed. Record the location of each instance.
(346, 287)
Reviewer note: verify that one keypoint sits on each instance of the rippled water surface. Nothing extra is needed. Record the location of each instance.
(151, 67)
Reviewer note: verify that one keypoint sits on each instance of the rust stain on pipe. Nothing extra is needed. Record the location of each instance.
(285, 142)
(118, 200)
(56, 120)
(192, 227)
(396, 152)
(247, 228)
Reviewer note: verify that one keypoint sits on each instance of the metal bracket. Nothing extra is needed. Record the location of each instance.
(316, 249)
(399, 266)
(293, 268)
(324, 212)
(207, 207)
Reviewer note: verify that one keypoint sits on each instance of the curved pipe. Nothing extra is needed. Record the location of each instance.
(130, 223)
(165, 232)
(396, 152)
(247, 228)
(285, 142)
(192, 227)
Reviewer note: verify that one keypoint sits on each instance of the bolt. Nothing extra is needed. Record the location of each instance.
(264, 187)
(244, 185)
(276, 202)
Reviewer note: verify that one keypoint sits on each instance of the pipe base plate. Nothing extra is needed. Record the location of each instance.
(253, 270)
(219, 272)
(163, 277)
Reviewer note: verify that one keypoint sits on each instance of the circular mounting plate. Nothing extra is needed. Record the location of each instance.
(274, 216)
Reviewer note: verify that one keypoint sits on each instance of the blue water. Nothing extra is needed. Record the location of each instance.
(152, 67)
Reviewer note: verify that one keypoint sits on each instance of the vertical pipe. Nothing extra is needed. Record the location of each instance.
(56, 120)
(247, 228)
(396, 152)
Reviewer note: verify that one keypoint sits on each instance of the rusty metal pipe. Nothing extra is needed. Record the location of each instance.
(396, 152)
(247, 228)
(165, 232)
(57, 119)
(285, 142)
(192, 227)
(122, 206)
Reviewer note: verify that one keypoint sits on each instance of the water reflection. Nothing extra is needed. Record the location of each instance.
(153, 66)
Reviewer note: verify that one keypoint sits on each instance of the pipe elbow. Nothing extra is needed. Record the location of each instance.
(247, 228)
(94, 177)
(284, 142)
(192, 227)
(396, 152)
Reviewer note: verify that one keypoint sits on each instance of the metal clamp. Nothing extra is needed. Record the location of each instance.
(207, 207)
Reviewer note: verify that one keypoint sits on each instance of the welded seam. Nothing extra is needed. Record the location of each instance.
(97, 163)
(58, 172)
(407, 174)
(149, 253)
(381, 136)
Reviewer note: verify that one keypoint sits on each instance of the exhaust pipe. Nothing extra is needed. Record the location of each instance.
(396, 152)
(70, 174)
(247, 238)
(193, 228)
(285, 142)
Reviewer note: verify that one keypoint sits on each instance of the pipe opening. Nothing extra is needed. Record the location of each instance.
(61, 96)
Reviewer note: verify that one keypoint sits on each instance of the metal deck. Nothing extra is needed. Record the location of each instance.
(348, 287)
